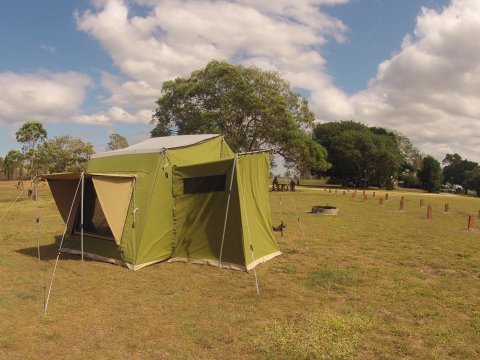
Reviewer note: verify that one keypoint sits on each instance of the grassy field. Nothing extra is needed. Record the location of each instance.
(372, 282)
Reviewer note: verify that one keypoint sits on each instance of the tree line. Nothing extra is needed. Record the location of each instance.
(258, 110)
(40, 154)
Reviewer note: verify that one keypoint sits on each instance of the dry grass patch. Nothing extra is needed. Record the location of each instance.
(373, 283)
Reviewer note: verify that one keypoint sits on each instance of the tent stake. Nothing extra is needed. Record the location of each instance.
(226, 212)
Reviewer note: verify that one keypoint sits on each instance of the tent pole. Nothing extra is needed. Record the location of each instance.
(60, 247)
(228, 206)
(37, 217)
(248, 231)
(298, 220)
(81, 216)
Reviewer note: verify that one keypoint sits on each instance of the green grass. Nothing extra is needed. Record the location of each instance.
(371, 282)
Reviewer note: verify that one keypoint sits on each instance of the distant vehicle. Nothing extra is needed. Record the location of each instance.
(454, 189)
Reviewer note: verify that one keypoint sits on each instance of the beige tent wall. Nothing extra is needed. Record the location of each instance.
(114, 194)
(63, 192)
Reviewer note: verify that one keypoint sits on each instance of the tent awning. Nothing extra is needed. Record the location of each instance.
(114, 191)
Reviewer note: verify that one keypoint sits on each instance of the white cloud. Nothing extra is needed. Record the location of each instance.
(41, 96)
(179, 36)
(430, 89)
(115, 114)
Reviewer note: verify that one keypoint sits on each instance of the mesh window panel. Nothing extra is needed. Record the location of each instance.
(204, 184)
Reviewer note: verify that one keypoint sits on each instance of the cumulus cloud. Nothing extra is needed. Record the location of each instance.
(176, 37)
(114, 114)
(41, 96)
(429, 89)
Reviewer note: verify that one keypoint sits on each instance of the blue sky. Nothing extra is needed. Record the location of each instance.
(89, 69)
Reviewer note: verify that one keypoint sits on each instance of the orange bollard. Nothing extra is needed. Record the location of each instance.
(380, 201)
(429, 212)
(471, 223)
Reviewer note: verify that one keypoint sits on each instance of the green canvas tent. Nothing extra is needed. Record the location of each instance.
(176, 198)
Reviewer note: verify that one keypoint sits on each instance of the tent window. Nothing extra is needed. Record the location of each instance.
(94, 220)
(204, 184)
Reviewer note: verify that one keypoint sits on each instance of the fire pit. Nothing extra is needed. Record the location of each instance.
(325, 210)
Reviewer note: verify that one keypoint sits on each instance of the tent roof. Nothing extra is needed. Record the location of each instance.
(155, 145)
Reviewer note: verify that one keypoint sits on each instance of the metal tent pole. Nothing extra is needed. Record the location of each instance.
(81, 216)
(226, 212)
(60, 247)
(37, 216)
(248, 231)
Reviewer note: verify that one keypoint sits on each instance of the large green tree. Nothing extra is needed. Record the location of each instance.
(252, 108)
(117, 141)
(31, 134)
(64, 153)
(430, 174)
(13, 160)
(359, 152)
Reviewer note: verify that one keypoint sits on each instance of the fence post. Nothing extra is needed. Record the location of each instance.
(402, 203)
(380, 201)
(421, 202)
(471, 223)
(446, 208)
(429, 212)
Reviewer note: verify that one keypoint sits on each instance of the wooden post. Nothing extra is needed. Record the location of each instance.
(365, 197)
(363, 192)
(386, 196)
(446, 208)
(330, 191)
(373, 194)
(429, 212)
(380, 201)
(402, 203)
(344, 193)
(471, 223)
(421, 202)
(478, 217)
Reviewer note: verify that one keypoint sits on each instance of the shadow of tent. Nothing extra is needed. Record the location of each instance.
(48, 252)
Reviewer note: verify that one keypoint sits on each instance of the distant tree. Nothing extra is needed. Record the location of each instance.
(431, 174)
(456, 169)
(252, 108)
(31, 134)
(117, 142)
(13, 160)
(473, 179)
(64, 153)
(359, 152)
